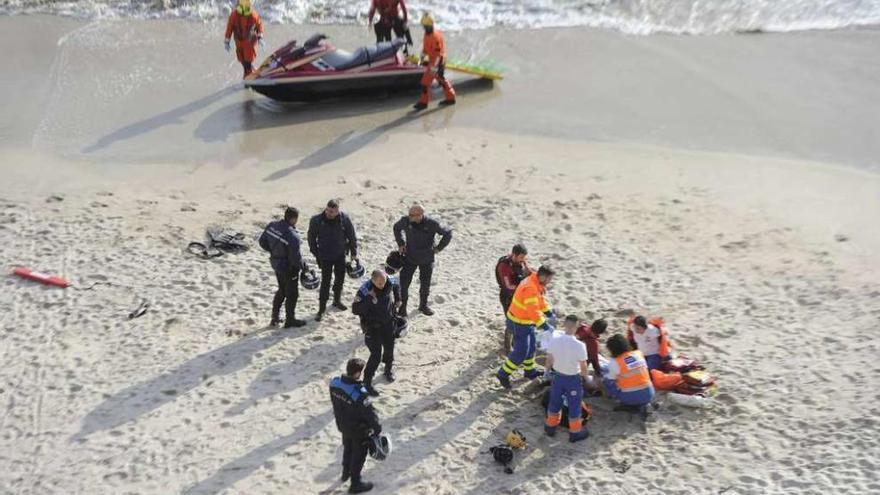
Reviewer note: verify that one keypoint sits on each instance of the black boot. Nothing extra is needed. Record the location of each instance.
(294, 323)
(275, 322)
(346, 474)
(322, 307)
(389, 374)
(425, 310)
(360, 486)
(338, 305)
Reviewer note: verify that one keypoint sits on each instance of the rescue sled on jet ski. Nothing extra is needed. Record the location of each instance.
(316, 70)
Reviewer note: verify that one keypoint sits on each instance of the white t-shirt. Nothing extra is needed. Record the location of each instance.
(546, 336)
(567, 352)
(648, 342)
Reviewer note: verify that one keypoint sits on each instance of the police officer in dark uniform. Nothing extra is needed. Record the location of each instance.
(331, 236)
(356, 420)
(281, 239)
(376, 303)
(415, 235)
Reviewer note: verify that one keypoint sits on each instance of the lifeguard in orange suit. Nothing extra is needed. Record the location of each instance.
(434, 60)
(245, 26)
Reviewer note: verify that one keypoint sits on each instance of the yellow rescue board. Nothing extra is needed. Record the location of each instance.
(474, 70)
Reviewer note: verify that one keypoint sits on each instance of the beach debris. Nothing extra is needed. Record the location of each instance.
(503, 455)
(43, 278)
(55, 198)
(841, 238)
(139, 310)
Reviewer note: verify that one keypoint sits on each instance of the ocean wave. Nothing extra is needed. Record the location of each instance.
(628, 16)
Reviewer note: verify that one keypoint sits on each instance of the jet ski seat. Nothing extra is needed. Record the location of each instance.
(342, 60)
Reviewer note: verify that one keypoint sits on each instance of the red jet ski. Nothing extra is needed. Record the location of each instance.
(317, 70)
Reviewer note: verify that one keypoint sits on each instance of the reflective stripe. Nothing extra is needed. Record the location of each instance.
(521, 321)
(277, 236)
(517, 304)
(531, 300)
(509, 366)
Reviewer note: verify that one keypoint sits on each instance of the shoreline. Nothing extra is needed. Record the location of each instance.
(791, 95)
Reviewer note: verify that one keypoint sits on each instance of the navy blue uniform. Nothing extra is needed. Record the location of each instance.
(419, 241)
(356, 420)
(286, 260)
(378, 323)
(329, 241)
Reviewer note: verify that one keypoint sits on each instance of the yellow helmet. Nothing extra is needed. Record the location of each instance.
(427, 19)
(244, 7)
(515, 439)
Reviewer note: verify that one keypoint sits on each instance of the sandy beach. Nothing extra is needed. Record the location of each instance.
(728, 183)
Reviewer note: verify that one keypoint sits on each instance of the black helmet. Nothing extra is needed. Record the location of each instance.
(393, 263)
(379, 446)
(309, 279)
(401, 326)
(355, 269)
(504, 456)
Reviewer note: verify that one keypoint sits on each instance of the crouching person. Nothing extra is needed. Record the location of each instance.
(627, 379)
(356, 420)
(567, 360)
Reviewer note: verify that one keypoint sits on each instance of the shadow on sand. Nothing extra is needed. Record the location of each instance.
(137, 400)
(262, 113)
(173, 116)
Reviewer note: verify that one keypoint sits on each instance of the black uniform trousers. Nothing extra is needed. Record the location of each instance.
(287, 293)
(336, 271)
(380, 342)
(354, 454)
(406, 276)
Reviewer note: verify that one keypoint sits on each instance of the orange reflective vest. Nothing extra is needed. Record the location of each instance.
(633, 374)
(434, 47)
(665, 345)
(528, 305)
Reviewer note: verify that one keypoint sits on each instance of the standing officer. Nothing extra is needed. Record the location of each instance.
(528, 310)
(331, 236)
(415, 239)
(281, 239)
(356, 420)
(376, 302)
(509, 272)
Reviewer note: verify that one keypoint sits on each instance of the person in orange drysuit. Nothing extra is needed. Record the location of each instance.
(434, 60)
(245, 24)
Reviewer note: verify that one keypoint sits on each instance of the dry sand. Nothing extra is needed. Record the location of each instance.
(766, 270)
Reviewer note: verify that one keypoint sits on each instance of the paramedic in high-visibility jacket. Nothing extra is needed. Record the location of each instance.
(627, 379)
(528, 311)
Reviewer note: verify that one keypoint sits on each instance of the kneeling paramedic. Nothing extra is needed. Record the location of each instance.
(528, 310)
(651, 338)
(376, 303)
(356, 420)
(627, 379)
(567, 362)
(282, 241)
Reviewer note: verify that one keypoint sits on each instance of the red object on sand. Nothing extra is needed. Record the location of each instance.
(43, 278)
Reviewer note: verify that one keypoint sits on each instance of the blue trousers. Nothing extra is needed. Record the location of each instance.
(571, 388)
(654, 361)
(637, 398)
(523, 352)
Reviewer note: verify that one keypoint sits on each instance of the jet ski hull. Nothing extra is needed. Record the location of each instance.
(307, 88)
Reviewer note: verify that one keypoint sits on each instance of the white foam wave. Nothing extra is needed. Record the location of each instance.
(628, 16)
